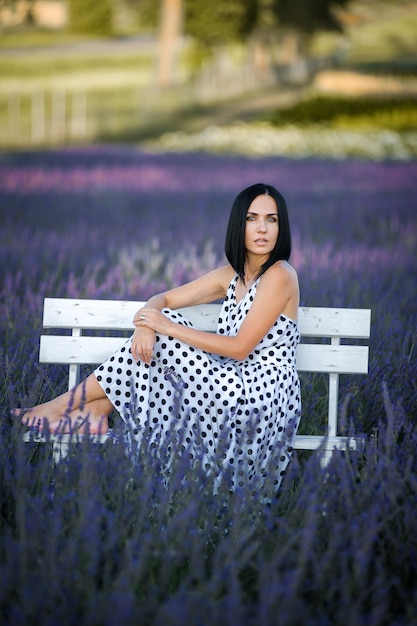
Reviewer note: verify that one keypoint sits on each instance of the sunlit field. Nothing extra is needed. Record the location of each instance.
(99, 540)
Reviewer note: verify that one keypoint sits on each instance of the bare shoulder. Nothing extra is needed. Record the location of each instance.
(281, 272)
(279, 289)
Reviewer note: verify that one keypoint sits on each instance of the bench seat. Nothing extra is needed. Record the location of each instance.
(108, 322)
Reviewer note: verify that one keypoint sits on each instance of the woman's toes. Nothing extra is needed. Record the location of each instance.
(16, 412)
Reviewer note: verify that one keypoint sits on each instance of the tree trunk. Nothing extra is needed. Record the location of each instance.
(169, 37)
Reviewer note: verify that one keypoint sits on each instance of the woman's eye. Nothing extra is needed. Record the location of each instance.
(271, 218)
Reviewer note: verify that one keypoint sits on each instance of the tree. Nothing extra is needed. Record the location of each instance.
(210, 24)
(91, 17)
(215, 23)
(309, 16)
(12, 5)
(299, 19)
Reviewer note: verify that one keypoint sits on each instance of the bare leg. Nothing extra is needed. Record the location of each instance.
(91, 418)
(86, 399)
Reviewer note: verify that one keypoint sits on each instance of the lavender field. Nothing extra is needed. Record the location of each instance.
(97, 540)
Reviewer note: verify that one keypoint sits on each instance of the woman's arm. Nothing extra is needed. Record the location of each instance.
(211, 286)
(277, 293)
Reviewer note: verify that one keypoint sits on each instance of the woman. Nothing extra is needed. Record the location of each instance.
(233, 395)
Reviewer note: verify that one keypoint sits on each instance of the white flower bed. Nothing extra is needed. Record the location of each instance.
(262, 139)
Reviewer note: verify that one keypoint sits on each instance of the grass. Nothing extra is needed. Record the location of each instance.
(44, 67)
(390, 38)
(39, 38)
(396, 113)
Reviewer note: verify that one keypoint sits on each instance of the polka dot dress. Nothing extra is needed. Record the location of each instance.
(238, 416)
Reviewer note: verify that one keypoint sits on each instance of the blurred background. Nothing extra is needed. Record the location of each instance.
(227, 75)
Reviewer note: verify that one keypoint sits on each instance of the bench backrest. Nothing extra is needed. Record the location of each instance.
(333, 358)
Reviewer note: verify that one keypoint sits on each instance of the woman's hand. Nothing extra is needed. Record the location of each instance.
(148, 321)
(154, 319)
(143, 342)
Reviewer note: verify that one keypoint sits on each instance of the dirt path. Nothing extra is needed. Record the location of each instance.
(90, 47)
(245, 108)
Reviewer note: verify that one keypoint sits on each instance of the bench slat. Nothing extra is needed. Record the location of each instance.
(61, 444)
(68, 350)
(114, 314)
(92, 314)
(118, 315)
(332, 359)
(313, 442)
(329, 322)
(310, 357)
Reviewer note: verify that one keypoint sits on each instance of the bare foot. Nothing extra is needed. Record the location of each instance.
(36, 415)
(71, 410)
(92, 419)
(48, 410)
(81, 425)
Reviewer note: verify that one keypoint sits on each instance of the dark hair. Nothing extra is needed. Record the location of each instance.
(235, 235)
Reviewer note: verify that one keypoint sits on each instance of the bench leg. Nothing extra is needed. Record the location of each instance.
(60, 450)
(325, 458)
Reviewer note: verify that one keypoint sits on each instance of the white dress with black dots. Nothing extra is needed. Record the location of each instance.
(238, 416)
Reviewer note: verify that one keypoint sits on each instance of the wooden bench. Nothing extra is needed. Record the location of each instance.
(332, 357)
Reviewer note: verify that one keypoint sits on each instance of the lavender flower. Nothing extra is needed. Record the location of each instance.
(98, 539)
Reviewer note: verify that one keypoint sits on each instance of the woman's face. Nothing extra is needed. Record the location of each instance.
(261, 231)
